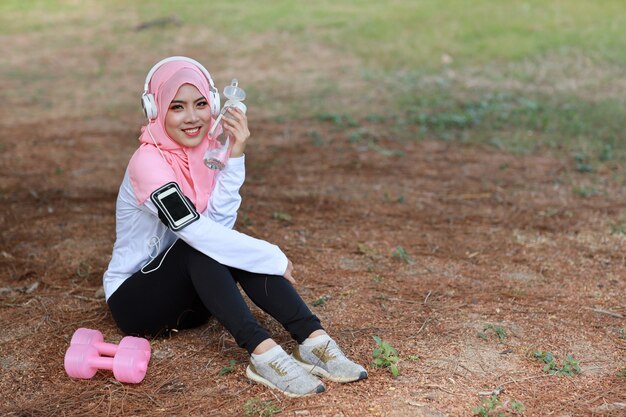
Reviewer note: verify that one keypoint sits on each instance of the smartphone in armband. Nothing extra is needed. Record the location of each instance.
(174, 208)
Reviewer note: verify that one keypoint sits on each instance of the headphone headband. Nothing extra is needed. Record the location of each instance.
(178, 58)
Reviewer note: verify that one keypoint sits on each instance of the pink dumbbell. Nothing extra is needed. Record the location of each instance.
(129, 364)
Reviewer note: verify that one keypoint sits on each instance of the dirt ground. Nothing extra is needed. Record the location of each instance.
(489, 238)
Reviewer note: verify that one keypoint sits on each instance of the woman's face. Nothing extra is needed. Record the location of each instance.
(188, 117)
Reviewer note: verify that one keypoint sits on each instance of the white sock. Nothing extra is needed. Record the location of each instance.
(312, 341)
(267, 355)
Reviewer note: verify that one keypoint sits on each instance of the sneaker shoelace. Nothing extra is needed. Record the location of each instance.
(284, 365)
(330, 350)
(334, 350)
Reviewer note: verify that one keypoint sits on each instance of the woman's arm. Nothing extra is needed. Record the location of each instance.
(225, 198)
(228, 246)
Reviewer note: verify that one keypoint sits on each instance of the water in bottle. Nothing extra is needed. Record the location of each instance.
(217, 157)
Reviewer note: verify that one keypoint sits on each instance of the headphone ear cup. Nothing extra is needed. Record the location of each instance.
(149, 106)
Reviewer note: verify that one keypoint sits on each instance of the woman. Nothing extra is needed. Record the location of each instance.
(177, 261)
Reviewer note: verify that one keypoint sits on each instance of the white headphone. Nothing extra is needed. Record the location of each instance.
(147, 99)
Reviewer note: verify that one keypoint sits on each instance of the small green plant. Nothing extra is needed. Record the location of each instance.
(364, 249)
(382, 296)
(517, 407)
(279, 215)
(316, 139)
(618, 229)
(413, 358)
(584, 192)
(337, 119)
(389, 199)
(499, 331)
(401, 254)
(244, 219)
(386, 356)
(548, 359)
(606, 153)
(622, 372)
(375, 118)
(83, 269)
(493, 407)
(488, 405)
(255, 407)
(354, 137)
(582, 163)
(228, 369)
(329, 117)
(321, 302)
(570, 366)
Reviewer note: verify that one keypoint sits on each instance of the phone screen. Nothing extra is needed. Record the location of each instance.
(176, 208)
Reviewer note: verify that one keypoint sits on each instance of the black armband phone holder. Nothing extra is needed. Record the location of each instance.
(175, 210)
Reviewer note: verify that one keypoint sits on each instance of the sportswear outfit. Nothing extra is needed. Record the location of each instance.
(160, 280)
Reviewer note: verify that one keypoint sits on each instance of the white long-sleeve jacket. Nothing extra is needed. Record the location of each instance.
(141, 236)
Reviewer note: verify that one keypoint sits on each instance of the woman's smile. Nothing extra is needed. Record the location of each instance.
(192, 132)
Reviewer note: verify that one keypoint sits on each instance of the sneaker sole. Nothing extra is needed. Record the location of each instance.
(258, 378)
(317, 371)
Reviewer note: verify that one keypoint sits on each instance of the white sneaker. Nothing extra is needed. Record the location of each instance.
(281, 372)
(325, 359)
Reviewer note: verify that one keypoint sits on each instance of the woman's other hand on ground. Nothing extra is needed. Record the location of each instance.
(288, 273)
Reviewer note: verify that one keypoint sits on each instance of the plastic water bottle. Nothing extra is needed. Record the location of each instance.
(217, 157)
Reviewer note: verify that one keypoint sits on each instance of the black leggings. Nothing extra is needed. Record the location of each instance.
(189, 287)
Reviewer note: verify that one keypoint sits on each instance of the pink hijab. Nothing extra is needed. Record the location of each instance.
(147, 169)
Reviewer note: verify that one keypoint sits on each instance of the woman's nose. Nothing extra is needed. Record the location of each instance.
(192, 116)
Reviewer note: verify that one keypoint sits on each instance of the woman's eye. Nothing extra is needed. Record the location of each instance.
(176, 107)
(202, 104)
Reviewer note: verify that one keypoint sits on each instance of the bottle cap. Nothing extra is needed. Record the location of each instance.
(233, 92)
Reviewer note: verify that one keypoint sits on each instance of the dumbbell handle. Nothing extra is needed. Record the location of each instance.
(101, 362)
(104, 348)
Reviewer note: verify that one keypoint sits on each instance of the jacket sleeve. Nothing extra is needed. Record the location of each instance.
(225, 198)
(229, 247)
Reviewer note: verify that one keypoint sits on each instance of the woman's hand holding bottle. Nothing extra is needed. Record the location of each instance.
(231, 142)
(235, 124)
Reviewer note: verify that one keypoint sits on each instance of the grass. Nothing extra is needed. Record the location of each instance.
(589, 133)
(522, 77)
(406, 34)
(412, 34)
